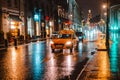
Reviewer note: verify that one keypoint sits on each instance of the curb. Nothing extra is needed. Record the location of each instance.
(3, 49)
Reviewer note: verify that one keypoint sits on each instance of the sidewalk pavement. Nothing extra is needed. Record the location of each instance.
(98, 68)
(3, 48)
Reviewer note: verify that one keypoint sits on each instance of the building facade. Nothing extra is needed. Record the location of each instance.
(33, 18)
(115, 18)
(75, 15)
(45, 16)
(12, 17)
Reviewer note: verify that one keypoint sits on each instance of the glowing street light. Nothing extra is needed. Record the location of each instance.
(104, 6)
(105, 13)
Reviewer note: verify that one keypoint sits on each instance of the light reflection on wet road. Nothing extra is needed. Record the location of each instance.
(36, 62)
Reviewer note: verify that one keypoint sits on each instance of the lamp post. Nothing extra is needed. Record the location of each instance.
(107, 25)
(103, 20)
(103, 11)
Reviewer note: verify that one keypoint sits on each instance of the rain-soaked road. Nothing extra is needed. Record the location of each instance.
(35, 61)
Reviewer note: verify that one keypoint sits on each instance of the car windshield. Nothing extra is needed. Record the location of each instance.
(64, 36)
(54, 36)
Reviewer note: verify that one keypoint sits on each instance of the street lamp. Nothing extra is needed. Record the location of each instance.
(104, 6)
(103, 11)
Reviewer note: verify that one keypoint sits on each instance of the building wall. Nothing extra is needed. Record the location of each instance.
(115, 18)
(76, 15)
(12, 8)
(59, 19)
(114, 2)
(48, 14)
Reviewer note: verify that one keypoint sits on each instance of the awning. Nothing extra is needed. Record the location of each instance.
(15, 18)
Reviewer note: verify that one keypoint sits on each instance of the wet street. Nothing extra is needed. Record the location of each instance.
(35, 61)
(104, 65)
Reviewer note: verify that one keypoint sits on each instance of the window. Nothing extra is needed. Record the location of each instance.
(65, 36)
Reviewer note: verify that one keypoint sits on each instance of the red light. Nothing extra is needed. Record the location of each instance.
(68, 22)
(47, 18)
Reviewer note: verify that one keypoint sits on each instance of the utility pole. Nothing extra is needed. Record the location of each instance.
(0, 15)
(107, 25)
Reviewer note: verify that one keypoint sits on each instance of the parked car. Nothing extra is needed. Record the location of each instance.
(80, 36)
(66, 40)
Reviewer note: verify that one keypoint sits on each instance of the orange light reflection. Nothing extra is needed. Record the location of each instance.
(104, 66)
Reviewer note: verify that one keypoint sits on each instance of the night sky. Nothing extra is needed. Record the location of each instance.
(94, 5)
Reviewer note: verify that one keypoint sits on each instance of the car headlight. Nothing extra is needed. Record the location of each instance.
(68, 42)
(51, 42)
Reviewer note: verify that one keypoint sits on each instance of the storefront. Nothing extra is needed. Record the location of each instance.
(115, 18)
(15, 25)
(12, 26)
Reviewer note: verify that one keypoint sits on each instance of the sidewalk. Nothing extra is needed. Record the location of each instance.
(99, 67)
(19, 43)
(2, 47)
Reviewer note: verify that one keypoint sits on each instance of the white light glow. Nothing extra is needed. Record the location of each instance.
(12, 23)
(104, 6)
(51, 42)
(37, 29)
(51, 23)
(105, 13)
(12, 27)
(68, 43)
(69, 61)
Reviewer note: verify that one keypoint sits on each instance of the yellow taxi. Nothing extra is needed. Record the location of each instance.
(66, 40)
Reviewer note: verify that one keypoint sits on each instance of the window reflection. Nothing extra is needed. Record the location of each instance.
(114, 53)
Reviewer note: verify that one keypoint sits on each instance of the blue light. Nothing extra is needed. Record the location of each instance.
(38, 51)
(36, 17)
(37, 14)
(114, 53)
(114, 28)
(114, 58)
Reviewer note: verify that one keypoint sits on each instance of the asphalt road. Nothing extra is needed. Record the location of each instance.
(35, 61)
